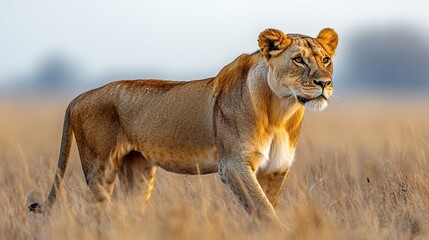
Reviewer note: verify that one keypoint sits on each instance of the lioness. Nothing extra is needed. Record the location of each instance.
(244, 123)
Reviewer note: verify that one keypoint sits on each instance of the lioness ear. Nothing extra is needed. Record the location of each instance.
(328, 38)
(272, 42)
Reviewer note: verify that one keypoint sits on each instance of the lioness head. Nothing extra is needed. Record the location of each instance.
(300, 65)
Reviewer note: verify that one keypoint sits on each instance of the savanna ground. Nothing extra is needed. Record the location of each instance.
(361, 172)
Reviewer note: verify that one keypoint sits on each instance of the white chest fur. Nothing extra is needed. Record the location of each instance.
(278, 153)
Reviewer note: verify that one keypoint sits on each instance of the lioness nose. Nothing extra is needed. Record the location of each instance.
(322, 83)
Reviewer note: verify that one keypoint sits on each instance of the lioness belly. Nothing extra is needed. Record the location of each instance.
(195, 161)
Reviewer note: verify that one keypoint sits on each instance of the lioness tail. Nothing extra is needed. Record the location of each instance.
(66, 142)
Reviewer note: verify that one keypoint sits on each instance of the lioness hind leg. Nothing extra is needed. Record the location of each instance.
(101, 182)
(100, 174)
(273, 184)
(149, 178)
(131, 171)
(135, 173)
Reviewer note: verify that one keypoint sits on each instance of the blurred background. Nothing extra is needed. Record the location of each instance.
(52, 47)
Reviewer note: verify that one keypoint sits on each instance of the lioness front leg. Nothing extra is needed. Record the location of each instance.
(241, 180)
(273, 183)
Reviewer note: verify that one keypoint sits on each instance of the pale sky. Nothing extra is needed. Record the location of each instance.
(175, 38)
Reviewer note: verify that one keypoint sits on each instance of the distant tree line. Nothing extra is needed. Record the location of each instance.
(379, 58)
(393, 58)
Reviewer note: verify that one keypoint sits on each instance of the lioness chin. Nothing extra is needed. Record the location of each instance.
(243, 124)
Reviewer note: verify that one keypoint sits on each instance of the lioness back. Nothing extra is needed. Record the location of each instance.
(149, 114)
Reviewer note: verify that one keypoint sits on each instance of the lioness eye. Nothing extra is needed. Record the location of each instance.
(326, 60)
(298, 59)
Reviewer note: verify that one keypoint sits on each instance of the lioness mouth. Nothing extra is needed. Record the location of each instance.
(303, 100)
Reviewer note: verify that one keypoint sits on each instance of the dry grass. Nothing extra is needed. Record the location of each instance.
(360, 173)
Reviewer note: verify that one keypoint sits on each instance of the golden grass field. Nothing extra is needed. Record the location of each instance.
(361, 172)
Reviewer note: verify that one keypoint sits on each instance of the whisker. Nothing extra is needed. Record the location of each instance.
(334, 97)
